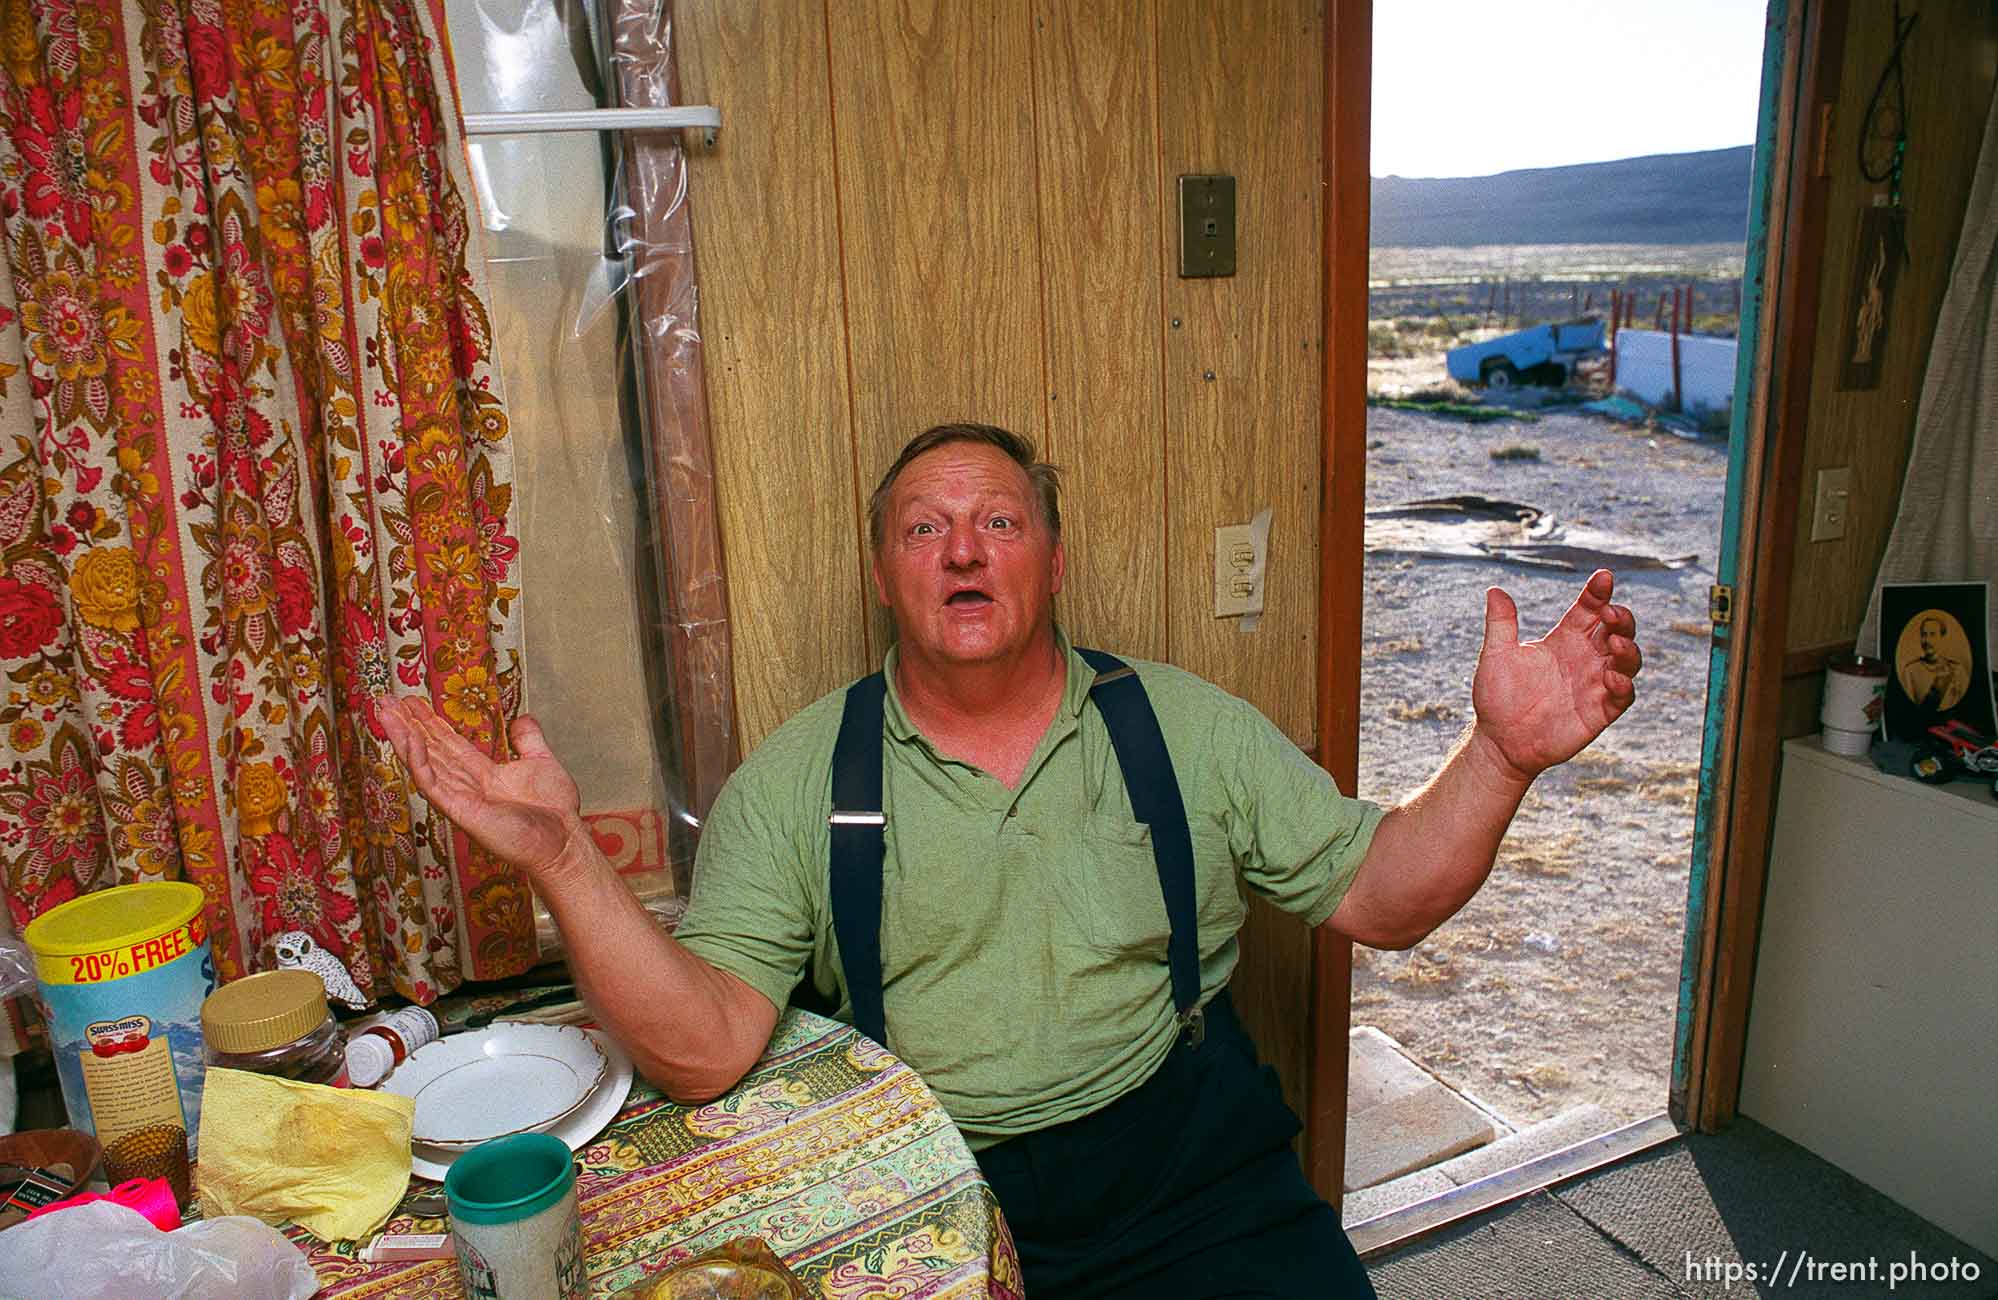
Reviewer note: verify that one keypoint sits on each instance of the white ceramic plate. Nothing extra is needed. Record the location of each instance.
(576, 1131)
(510, 1077)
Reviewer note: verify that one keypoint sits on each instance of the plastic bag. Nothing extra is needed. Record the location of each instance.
(106, 1251)
(17, 967)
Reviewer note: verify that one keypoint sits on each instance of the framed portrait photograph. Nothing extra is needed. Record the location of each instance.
(1933, 636)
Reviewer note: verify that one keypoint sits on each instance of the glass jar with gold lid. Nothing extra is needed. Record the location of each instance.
(276, 1022)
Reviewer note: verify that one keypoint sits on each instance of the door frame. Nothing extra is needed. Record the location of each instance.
(1342, 500)
(1744, 736)
(1803, 46)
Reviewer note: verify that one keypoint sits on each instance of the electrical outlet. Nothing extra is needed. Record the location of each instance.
(1834, 502)
(1238, 571)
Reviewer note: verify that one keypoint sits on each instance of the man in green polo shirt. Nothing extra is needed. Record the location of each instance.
(1023, 965)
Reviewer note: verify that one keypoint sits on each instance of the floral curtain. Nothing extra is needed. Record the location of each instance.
(255, 473)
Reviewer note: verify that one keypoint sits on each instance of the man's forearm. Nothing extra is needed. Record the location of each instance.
(1433, 851)
(692, 1030)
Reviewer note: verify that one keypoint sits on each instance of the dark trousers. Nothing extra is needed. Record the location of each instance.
(1184, 1187)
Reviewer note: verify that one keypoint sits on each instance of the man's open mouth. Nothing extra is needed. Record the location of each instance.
(968, 598)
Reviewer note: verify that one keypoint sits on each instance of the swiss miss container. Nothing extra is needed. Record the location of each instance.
(123, 973)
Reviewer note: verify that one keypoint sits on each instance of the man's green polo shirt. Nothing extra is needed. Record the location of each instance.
(1023, 934)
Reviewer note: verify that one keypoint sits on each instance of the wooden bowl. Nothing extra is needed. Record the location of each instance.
(42, 1148)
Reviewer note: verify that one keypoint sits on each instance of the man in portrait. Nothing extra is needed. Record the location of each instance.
(1934, 680)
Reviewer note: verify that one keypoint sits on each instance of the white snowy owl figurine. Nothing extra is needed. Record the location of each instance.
(296, 951)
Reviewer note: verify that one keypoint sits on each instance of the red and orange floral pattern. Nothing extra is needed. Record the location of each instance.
(255, 474)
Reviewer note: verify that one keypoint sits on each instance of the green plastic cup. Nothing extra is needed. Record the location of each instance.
(514, 1224)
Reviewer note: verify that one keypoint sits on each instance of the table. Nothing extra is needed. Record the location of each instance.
(830, 1149)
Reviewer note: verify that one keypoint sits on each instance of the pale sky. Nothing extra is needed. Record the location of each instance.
(1471, 87)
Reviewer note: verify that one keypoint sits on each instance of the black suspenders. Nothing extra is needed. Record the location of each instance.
(857, 824)
(858, 846)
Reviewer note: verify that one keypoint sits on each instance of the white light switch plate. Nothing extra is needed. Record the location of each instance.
(1238, 572)
(1832, 505)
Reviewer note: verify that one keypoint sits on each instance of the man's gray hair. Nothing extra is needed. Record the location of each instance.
(1045, 478)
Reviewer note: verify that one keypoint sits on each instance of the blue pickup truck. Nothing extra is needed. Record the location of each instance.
(1544, 354)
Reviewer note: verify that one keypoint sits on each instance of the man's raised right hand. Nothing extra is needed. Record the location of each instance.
(527, 812)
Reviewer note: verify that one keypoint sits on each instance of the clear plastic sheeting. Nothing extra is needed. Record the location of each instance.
(590, 256)
(659, 246)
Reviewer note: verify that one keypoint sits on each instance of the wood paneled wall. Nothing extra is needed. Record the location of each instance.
(931, 210)
(1949, 66)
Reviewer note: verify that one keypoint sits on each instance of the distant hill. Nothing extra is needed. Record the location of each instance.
(1680, 198)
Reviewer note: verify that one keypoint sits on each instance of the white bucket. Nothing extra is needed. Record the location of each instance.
(1850, 713)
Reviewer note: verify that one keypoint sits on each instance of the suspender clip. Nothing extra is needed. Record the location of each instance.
(1193, 1024)
(844, 817)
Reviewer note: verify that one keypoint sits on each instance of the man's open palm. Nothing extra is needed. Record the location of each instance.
(523, 811)
(1543, 701)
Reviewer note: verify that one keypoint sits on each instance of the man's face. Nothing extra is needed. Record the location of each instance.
(966, 565)
(1928, 634)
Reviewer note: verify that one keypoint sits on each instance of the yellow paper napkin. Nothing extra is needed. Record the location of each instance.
(334, 1160)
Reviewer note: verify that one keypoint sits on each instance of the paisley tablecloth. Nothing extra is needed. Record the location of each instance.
(830, 1149)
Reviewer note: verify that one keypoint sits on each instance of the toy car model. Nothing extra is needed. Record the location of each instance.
(1951, 750)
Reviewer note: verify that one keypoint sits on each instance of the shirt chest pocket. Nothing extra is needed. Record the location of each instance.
(1114, 890)
(1118, 904)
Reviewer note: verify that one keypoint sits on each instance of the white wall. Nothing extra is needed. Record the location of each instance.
(1873, 1031)
(1706, 368)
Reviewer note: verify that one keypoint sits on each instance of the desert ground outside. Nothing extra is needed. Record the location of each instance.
(1558, 984)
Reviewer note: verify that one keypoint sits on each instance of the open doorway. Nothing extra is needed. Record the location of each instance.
(1584, 261)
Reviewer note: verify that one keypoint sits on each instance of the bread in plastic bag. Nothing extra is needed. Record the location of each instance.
(107, 1251)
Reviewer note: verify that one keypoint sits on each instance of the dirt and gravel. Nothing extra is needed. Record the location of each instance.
(1558, 983)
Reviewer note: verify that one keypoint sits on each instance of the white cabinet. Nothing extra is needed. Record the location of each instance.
(1873, 1031)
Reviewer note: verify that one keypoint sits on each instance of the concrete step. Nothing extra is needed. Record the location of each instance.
(1548, 1136)
(1578, 1124)
(1401, 1118)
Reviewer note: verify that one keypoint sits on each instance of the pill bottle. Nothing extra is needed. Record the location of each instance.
(275, 1023)
(378, 1046)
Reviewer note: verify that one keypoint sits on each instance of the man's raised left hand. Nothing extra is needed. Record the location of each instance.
(1541, 702)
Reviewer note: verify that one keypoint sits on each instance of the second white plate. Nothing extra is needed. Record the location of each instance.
(576, 1131)
(510, 1077)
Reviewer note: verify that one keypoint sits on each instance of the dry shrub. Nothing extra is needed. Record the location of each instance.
(1435, 711)
(1516, 451)
(1687, 627)
(1677, 784)
(1545, 857)
(1401, 645)
(1622, 930)
(1384, 340)
(1417, 973)
(1449, 391)
(1535, 864)
(1546, 1077)
(1461, 941)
